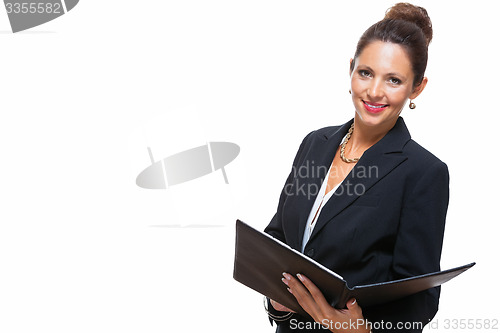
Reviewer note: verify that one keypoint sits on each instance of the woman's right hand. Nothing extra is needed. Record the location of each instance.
(278, 307)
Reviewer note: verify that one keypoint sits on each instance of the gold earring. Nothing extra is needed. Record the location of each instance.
(412, 105)
(350, 91)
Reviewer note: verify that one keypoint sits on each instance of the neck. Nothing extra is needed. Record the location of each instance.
(363, 137)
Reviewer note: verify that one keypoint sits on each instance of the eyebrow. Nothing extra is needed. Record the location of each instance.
(388, 74)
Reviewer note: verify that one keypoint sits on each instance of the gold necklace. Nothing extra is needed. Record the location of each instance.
(344, 143)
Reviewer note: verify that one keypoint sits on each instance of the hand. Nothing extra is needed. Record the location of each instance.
(278, 307)
(311, 299)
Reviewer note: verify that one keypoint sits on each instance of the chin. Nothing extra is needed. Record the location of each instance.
(369, 119)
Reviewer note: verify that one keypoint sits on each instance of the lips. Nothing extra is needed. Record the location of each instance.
(375, 107)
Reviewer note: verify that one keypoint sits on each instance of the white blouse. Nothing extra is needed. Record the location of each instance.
(321, 200)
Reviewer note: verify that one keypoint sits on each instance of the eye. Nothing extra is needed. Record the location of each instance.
(364, 73)
(395, 81)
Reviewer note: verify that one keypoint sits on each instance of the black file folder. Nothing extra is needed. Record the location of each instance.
(261, 259)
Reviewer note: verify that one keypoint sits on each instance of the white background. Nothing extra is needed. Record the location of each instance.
(83, 249)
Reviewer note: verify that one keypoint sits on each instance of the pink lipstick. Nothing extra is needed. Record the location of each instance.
(375, 107)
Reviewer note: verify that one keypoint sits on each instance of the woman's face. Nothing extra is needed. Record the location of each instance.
(381, 83)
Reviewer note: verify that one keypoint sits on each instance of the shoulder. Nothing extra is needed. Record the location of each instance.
(424, 171)
(328, 131)
(313, 143)
(322, 133)
(420, 156)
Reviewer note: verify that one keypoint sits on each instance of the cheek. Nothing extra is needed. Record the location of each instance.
(357, 86)
(397, 95)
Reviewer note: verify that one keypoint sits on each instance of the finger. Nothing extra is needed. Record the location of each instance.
(314, 291)
(294, 286)
(353, 307)
(300, 292)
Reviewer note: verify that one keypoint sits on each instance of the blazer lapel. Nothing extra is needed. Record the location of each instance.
(375, 164)
(319, 161)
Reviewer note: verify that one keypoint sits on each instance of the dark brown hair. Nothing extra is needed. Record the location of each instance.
(406, 25)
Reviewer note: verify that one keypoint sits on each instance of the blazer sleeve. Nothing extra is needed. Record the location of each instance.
(275, 227)
(417, 251)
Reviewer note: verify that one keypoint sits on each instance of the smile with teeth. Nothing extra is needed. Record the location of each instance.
(376, 106)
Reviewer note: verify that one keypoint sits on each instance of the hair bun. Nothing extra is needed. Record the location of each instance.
(417, 15)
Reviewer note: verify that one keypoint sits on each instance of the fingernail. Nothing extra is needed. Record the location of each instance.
(289, 290)
(287, 276)
(353, 302)
(301, 278)
(285, 281)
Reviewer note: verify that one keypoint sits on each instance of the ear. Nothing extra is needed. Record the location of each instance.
(418, 89)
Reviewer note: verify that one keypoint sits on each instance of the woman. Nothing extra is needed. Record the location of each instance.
(364, 199)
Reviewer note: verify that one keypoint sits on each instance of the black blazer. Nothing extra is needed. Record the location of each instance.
(384, 222)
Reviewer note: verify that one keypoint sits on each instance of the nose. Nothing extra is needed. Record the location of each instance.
(375, 89)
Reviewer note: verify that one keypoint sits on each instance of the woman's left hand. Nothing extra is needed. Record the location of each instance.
(311, 299)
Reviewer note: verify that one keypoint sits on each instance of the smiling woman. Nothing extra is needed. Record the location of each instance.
(399, 234)
(381, 83)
